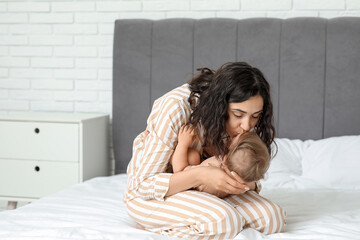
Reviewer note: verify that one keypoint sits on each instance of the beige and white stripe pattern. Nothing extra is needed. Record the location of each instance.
(189, 214)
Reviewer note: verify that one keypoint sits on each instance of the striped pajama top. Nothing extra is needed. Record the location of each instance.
(147, 177)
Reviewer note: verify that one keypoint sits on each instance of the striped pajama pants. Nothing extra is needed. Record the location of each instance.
(198, 215)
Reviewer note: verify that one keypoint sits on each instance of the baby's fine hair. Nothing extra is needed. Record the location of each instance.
(256, 159)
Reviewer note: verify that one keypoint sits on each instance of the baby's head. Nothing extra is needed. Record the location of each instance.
(248, 157)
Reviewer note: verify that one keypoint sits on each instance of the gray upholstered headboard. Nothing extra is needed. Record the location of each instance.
(312, 64)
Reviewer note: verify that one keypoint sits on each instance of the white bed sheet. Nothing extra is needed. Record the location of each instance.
(313, 211)
(95, 210)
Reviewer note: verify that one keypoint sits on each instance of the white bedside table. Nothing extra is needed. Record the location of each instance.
(41, 153)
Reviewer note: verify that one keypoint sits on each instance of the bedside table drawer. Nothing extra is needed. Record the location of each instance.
(39, 141)
(22, 178)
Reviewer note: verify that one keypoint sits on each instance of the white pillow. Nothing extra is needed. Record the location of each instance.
(334, 162)
(288, 158)
(285, 164)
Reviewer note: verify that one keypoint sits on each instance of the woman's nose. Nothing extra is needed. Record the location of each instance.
(245, 125)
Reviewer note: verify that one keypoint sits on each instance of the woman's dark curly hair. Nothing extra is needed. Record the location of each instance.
(211, 91)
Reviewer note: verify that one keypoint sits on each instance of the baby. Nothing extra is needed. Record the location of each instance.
(247, 156)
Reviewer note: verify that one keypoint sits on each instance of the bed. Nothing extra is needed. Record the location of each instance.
(313, 66)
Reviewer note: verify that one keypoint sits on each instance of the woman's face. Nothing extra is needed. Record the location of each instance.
(243, 116)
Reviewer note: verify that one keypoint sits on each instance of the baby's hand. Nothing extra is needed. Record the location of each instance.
(186, 135)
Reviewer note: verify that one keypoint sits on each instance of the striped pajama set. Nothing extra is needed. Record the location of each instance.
(188, 214)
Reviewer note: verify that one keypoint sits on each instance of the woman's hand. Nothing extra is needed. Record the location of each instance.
(251, 185)
(219, 182)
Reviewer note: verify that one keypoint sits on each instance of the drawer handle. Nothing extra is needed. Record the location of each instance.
(37, 168)
(37, 130)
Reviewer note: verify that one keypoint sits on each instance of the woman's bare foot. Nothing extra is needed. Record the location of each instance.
(141, 227)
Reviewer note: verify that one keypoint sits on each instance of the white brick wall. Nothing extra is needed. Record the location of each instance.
(28, 7)
(353, 4)
(266, 5)
(73, 6)
(57, 55)
(319, 4)
(68, 44)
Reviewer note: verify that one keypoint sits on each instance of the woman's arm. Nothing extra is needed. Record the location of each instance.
(208, 179)
(182, 181)
(147, 176)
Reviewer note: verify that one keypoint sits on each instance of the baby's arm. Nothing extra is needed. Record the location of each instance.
(183, 156)
(212, 161)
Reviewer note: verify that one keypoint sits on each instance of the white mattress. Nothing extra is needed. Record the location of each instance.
(95, 210)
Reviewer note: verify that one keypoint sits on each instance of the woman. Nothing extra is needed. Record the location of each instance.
(222, 104)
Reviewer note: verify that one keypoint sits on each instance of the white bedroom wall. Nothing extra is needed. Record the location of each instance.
(57, 55)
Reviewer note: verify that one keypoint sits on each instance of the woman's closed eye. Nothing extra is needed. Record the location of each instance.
(254, 116)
